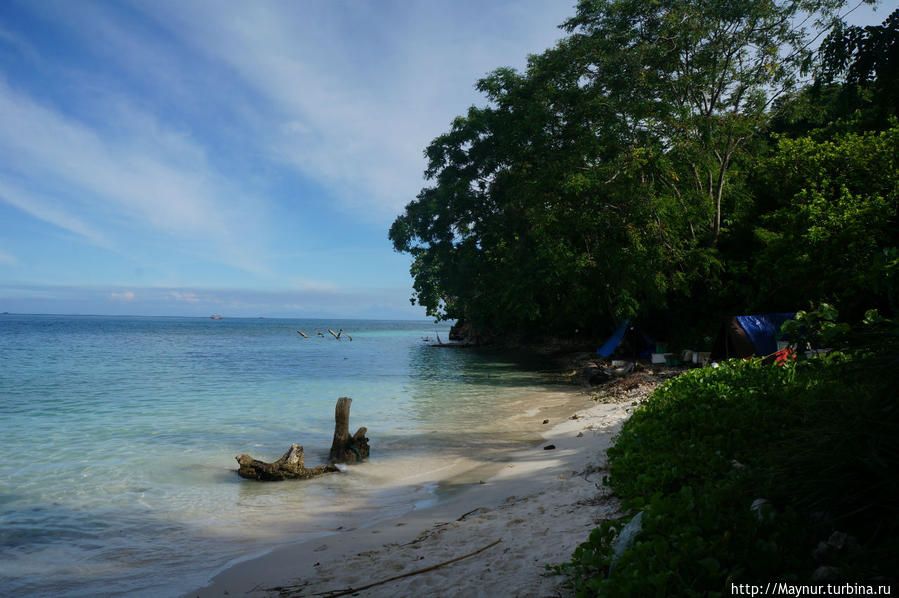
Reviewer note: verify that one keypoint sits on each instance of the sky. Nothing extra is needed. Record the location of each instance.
(239, 158)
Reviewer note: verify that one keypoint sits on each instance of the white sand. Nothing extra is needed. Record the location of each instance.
(540, 505)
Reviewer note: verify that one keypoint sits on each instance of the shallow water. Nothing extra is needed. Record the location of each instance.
(118, 438)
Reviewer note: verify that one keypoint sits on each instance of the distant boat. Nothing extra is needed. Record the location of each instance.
(217, 317)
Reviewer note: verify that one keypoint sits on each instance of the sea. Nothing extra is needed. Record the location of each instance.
(118, 438)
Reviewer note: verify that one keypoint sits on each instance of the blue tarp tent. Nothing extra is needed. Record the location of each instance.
(638, 343)
(751, 335)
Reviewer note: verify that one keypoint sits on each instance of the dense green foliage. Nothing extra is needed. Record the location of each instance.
(816, 440)
(666, 160)
(836, 215)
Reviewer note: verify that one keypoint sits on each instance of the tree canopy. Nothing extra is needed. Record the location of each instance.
(668, 160)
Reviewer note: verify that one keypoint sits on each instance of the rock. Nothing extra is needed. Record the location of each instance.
(618, 368)
(546, 421)
(593, 375)
(549, 447)
(626, 538)
(459, 331)
(758, 507)
(580, 435)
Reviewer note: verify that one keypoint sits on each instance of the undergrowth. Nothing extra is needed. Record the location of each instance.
(752, 472)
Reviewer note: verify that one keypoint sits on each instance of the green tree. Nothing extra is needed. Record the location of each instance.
(866, 60)
(839, 215)
(599, 183)
(696, 79)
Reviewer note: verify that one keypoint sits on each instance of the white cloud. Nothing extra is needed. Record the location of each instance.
(143, 177)
(50, 210)
(147, 173)
(171, 140)
(123, 296)
(354, 92)
(187, 296)
(321, 286)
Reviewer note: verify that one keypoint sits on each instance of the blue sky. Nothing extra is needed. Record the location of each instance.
(243, 158)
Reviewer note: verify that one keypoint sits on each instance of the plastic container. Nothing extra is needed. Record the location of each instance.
(672, 359)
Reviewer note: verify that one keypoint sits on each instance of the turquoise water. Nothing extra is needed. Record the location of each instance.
(118, 439)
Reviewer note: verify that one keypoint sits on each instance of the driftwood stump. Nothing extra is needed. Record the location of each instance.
(344, 449)
(288, 467)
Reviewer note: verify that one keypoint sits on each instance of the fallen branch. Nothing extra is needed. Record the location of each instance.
(463, 516)
(289, 467)
(337, 336)
(302, 334)
(335, 593)
(344, 449)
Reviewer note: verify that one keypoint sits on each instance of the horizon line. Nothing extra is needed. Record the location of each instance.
(92, 315)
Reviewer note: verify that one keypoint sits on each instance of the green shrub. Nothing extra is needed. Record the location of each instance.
(816, 440)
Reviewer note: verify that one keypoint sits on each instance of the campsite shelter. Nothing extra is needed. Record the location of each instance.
(748, 336)
(628, 341)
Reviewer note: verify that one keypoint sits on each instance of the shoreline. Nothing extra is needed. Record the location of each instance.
(526, 509)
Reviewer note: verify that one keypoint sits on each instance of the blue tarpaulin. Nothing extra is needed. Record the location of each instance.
(636, 341)
(612, 343)
(764, 330)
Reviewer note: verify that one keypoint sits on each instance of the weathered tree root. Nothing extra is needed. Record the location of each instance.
(289, 467)
(344, 449)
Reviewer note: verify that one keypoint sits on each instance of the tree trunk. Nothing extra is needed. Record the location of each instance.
(346, 448)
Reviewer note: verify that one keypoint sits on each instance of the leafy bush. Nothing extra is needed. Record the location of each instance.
(816, 440)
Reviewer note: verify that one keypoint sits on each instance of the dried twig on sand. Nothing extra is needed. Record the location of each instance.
(348, 591)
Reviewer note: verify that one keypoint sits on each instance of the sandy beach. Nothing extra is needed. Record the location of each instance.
(531, 510)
